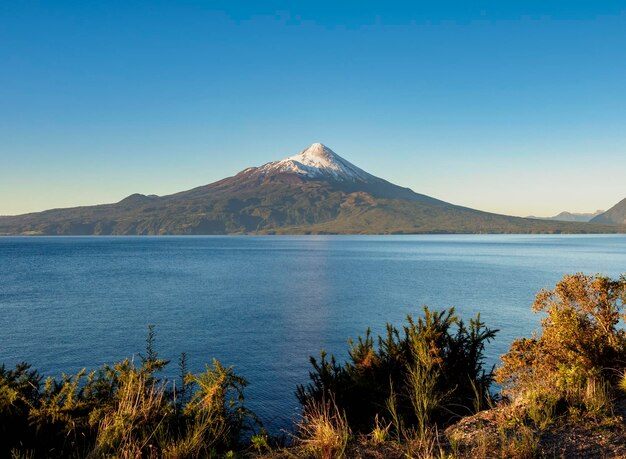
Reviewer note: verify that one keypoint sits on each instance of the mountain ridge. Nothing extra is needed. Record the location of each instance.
(615, 215)
(566, 216)
(314, 191)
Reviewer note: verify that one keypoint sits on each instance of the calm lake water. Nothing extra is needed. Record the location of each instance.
(265, 304)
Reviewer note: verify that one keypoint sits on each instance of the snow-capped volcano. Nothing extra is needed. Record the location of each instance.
(313, 192)
(317, 161)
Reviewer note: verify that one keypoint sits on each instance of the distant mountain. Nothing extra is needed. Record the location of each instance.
(571, 216)
(315, 191)
(615, 215)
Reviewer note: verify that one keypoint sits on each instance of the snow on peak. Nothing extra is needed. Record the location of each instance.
(318, 161)
(317, 155)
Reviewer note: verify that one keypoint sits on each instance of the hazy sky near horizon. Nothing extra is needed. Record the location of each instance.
(515, 107)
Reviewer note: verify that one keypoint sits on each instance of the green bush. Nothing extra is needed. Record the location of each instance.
(123, 410)
(433, 371)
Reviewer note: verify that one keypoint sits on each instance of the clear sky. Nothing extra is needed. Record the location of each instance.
(516, 107)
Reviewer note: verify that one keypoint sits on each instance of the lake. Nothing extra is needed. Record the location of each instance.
(265, 304)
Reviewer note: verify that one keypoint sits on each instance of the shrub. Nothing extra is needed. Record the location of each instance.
(19, 392)
(217, 404)
(579, 347)
(122, 410)
(430, 372)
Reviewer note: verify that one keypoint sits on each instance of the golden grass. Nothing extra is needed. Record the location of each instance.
(323, 430)
(130, 429)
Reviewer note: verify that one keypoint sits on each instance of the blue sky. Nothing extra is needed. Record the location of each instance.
(511, 107)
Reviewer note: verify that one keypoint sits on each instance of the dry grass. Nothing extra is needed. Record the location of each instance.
(424, 444)
(323, 431)
(519, 442)
(130, 429)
